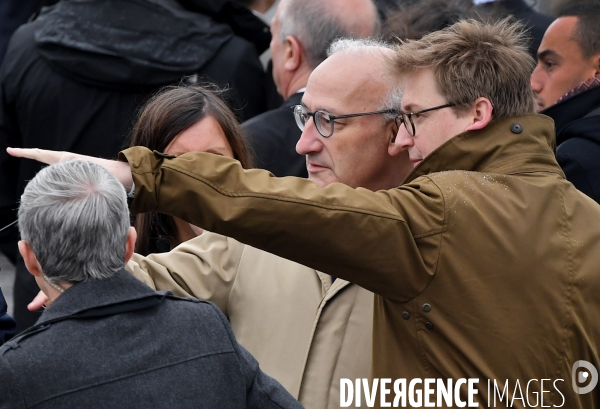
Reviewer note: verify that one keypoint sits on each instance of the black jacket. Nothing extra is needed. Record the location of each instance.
(7, 324)
(577, 121)
(73, 79)
(116, 343)
(273, 136)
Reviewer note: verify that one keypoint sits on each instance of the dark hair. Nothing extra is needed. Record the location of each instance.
(587, 31)
(414, 19)
(168, 113)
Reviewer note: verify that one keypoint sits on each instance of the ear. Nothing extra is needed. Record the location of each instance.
(29, 258)
(294, 53)
(482, 114)
(130, 244)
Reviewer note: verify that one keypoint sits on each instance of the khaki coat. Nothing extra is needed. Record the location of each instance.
(485, 262)
(304, 331)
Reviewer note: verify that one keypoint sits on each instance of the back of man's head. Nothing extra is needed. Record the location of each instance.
(587, 33)
(317, 23)
(471, 59)
(75, 218)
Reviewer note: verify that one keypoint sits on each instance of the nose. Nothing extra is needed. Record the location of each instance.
(403, 139)
(536, 81)
(310, 141)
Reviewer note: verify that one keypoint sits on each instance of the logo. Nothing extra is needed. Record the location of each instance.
(582, 373)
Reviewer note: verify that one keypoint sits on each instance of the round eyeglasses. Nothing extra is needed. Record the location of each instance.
(324, 121)
(406, 117)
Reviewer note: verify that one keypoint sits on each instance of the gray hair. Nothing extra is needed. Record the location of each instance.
(74, 216)
(316, 26)
(368, 48)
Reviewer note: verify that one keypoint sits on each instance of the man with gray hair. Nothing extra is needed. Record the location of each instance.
(108, 340)
(302, 31)
(306, 328)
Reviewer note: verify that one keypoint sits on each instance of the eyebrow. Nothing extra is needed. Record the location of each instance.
(547, 53)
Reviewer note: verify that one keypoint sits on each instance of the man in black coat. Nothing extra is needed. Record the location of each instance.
(302, 31)
(108, 340)
(566, 82)
(74, 78)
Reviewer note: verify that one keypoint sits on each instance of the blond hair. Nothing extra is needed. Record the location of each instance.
(471, 59)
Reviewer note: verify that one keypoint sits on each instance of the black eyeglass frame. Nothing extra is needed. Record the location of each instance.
(410, 114)
(299, 108)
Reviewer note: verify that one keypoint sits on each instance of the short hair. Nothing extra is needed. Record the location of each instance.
(366, 48)
(74, 216)
(314, 24)
(168, 113)
(587, 31)
(471, 59)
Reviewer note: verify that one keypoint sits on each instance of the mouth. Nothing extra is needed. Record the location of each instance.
(415, 162)
(314, 167)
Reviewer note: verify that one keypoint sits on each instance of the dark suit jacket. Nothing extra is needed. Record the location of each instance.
(116, 343)
(273, 136)
(578, 140)
(7, 324)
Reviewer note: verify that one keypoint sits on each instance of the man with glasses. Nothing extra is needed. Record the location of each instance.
(306, 328)
(484, 261)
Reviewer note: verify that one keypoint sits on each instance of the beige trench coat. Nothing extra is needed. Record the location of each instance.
(304, 331)
(485, 263)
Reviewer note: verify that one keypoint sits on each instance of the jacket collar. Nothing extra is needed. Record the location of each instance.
(497, 148)
(94, 295)
(294, 99)
(573, 108)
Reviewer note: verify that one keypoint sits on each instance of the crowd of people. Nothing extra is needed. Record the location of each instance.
(439, 221)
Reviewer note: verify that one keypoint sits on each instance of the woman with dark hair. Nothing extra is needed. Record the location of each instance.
(175, 121)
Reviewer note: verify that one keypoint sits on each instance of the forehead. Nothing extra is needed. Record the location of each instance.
(419, 90)
(559, 37)
(346, 83)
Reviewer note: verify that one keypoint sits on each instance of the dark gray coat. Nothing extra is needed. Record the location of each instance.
(118, 344)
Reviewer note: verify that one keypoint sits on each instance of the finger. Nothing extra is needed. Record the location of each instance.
(41, 155)
(38, 302)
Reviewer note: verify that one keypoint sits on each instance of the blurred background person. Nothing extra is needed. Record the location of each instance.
(175, 121)
(566, 83)
(7, 323)
(74, 77)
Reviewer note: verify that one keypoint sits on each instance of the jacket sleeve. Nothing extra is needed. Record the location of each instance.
(204, 267)
(355, 234)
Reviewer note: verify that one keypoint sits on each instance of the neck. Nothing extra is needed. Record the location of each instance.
(53, 290)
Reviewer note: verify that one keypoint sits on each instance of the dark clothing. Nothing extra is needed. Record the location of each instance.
(73, 79)
(578, 140)
(273, 136)
(116, 343)
(536, 22)
(7, 324)
(13, 13)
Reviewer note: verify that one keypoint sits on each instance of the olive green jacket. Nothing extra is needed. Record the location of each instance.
(485, 262)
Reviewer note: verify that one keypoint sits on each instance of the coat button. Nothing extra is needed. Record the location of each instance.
(406, 315)
(429, 325)
(426, 307)
(516, 128)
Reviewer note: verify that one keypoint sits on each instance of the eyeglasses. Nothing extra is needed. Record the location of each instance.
(324, 121)
(406, 117)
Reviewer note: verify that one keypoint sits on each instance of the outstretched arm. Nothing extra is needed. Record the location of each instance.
(120, 170)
